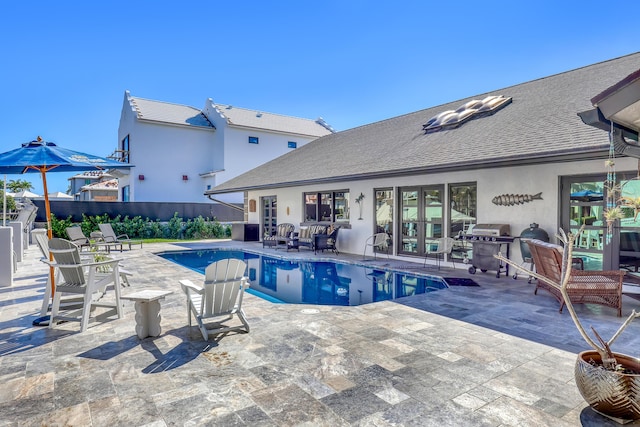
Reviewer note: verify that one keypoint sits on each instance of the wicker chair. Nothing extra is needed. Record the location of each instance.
(594, 287)
(283, 234)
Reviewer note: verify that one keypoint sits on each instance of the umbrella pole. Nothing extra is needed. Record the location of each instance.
(4, 204)
(43, 172)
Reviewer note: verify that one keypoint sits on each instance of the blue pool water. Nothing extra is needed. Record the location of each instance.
(313, 282)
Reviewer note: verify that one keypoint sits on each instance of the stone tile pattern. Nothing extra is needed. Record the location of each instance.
(493, 355)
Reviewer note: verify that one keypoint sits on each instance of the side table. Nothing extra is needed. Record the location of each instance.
(147, 304)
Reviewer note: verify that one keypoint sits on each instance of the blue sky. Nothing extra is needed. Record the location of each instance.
(66, 64)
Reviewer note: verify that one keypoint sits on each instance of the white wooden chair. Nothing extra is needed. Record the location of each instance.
(109, 236)
(88, 279)
(439, 247)
(224, 286)
(378, 240)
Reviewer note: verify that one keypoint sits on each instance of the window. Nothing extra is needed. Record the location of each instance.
(328, 206)
(463, 205)
(384, 212)
(208, 186)
(125, 193)
(124, 156)
(292, 144)
(253, 140)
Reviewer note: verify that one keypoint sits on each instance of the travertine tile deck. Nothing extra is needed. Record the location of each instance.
(493, 355)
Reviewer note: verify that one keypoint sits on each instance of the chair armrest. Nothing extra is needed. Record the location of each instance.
(124, 236)
(245, 283)
(188, 286)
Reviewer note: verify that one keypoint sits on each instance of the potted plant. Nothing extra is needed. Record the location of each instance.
(608, 381)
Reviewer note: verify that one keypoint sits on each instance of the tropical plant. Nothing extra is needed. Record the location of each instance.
(11, 203)
(19, 185)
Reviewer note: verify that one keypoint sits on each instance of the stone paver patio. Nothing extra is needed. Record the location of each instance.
(492, 355)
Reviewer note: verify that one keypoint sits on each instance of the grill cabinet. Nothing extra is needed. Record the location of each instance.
(488, 240)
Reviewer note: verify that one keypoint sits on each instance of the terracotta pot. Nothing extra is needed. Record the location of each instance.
(613, 394)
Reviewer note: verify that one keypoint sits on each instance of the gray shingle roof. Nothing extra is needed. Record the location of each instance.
(275, 122)
(541, 122)
(167, 112)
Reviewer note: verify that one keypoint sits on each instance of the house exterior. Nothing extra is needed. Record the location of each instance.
(517, 155)
(179, 151)
(102, 191)
(81, 180)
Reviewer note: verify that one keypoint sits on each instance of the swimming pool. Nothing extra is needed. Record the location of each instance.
(313, 282)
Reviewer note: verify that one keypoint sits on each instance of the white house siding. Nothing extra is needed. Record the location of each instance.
(163, 154)
(490, 183)
(270, 145)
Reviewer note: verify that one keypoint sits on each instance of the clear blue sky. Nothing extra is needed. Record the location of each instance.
(66, 64)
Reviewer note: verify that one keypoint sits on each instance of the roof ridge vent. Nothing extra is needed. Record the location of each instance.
(474, 109)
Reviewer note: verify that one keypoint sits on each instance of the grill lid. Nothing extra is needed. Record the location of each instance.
(492, 230)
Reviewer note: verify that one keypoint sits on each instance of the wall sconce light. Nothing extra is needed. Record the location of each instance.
(185, 178)
(141, 177)
(288, 210)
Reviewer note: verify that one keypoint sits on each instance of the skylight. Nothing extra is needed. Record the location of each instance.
(473, 109)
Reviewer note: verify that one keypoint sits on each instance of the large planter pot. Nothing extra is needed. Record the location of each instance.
(613, 394)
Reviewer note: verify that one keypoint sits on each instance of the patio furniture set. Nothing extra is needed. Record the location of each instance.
(315, 237)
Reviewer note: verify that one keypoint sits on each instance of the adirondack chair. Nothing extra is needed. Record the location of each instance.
(110, 237)
(42, 241)
(224, 286)
(88, 279)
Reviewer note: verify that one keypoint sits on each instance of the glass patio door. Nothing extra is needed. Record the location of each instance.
(269, 215)
(583, 201)
(422, 217)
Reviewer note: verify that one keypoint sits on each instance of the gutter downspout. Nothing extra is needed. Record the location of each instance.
(225, 203)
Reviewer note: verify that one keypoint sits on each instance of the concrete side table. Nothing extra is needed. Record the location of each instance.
(147, 304)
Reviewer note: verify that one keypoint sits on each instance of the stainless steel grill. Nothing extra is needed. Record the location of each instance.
(488, 240)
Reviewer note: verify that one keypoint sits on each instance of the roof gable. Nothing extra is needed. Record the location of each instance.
(165, 112)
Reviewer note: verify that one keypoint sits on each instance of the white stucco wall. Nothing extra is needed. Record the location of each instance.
(490, 182)
(163, 154)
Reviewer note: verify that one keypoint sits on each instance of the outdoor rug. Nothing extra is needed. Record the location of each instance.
(459, 281)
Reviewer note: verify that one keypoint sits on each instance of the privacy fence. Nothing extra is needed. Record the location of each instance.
(162, 211)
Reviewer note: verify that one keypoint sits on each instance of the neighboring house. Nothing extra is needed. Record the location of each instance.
(515, 156)
(102, 191)
(179, 152)
(81, 180)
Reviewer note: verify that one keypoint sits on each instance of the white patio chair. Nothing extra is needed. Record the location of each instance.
(88, 279)
(224, 286)
(378, 240)
(109, 236)
(439, 247)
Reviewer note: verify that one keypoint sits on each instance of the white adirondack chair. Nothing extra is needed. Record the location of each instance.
(88, 279)
(221, 296)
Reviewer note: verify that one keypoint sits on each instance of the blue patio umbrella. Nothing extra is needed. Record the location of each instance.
(41, 157)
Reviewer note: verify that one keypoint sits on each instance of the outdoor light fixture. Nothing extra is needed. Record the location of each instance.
(185, 178)
(141, 177)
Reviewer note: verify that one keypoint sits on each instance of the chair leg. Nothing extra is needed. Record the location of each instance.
(240, 314)
(86, 312)
(55, 305)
